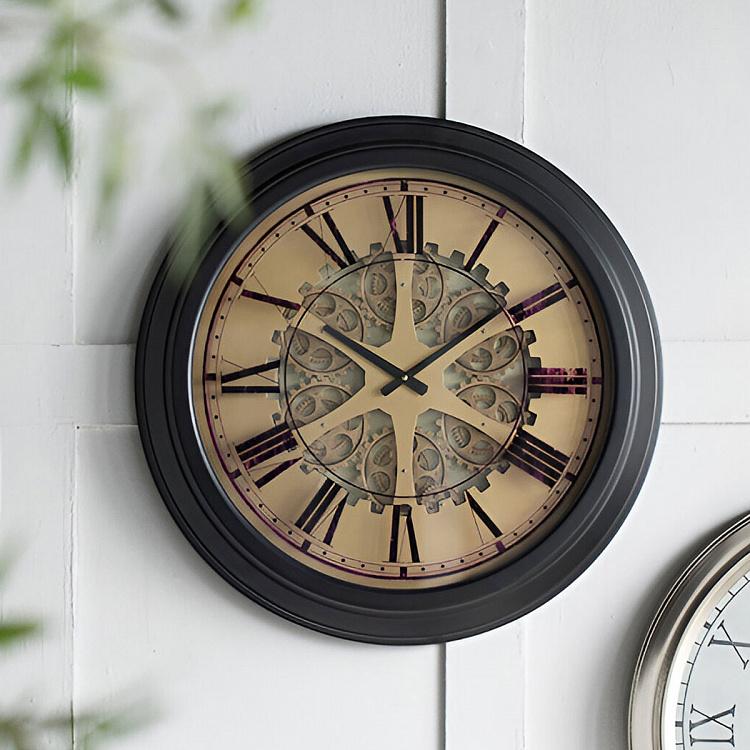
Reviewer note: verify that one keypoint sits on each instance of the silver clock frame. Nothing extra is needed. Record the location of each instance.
(695, 592)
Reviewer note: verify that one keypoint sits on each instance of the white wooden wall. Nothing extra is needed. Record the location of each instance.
(645, 104)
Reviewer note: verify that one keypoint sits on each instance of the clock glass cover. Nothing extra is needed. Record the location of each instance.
(299, 390)
(411, 397)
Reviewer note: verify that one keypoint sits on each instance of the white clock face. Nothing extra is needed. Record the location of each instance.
(707, 703)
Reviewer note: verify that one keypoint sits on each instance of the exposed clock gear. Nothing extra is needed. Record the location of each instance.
(449, 456)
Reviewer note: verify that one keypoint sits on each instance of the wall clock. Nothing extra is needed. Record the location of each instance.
(415, 396)
(690, 687)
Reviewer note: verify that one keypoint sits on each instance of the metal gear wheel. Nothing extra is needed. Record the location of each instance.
(449, 455)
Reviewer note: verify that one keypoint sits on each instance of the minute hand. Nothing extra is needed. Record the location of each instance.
(403, 379)
(430, 358)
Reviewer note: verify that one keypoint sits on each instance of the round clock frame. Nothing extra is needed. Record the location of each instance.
(261, 570)
(688, 605)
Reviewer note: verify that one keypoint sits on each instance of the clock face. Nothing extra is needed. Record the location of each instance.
(709, 700)
(414, 395)
(399, 380)
(690, 688)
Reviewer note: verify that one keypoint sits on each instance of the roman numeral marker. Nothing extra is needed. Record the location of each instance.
(404, 511)
(714, 728)
(324, 246)
(263, 447)
(278, 301)
(537, 302)
(570, 380)
(482, 515)
(250, 389)
(316, 509)
(736, 645)
(230, 377)
(536, 458)
(391, 221)
(484, 240)
(414, 224)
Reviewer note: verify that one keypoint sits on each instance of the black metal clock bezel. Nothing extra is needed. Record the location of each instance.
(263, 572)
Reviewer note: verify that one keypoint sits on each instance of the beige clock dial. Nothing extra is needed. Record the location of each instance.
(400, 380)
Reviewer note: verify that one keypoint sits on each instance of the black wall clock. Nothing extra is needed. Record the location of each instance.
(415, 396)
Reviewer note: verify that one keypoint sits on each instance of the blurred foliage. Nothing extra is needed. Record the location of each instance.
(75, 59)
(21, 729)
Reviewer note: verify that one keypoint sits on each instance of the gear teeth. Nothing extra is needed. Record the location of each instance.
(326, 271)
(457, 258)
(305, 289)
(376, 248)
(481, 483)
(431, 505)
(376, 507)
(431, 248)
(277, 338)
(502, 289)
(529, 417)
(534, 362)
(529, 337)
(458, 497)
(480, 272)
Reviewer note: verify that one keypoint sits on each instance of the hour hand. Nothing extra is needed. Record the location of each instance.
(396, 372)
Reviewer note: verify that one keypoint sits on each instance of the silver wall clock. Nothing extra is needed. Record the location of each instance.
(691, 685)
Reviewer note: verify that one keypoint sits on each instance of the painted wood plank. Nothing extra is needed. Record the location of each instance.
(36, 475)
(632, 100)
(485, 693)
(706, 382)
(66, 384)
(484, 83)
(581, 648)
(152, 618)
(297, 66)
(485, 49)
(36, 256)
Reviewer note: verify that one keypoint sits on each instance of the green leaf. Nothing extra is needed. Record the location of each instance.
(169, 9)
(227, 189)
(10, 632)
(112, 176)
(15, 730)
(62, 141)
(193, 221)
(34, 80)
(86, 77)
(28, 140)
(236, 11)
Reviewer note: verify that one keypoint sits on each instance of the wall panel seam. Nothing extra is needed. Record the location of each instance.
(71, 569)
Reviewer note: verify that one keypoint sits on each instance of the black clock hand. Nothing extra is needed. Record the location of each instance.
(430, 358)
(403, 379)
